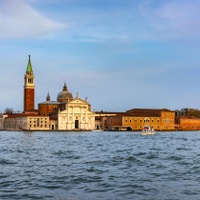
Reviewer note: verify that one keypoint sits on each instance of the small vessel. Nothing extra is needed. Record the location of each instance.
(148, 130)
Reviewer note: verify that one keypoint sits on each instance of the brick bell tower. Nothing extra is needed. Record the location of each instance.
(29, 88)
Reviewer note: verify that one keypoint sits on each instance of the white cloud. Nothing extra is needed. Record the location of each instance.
(173, 19)
(20, 20)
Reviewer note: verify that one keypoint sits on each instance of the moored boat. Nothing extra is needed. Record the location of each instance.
(148, 130)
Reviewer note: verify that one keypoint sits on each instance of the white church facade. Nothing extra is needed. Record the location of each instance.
(77, 115)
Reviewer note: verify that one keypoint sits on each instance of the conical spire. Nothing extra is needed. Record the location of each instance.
(29, 66)
(48, 97)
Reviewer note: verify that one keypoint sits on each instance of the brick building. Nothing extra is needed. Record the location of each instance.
(136, 119)
(186, 123)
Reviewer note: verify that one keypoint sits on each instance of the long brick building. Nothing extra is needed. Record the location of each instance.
(136, 119)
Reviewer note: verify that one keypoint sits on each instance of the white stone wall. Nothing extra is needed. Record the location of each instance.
(29, 123)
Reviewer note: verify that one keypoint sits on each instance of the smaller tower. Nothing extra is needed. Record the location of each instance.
(29, 88)
(48, 97)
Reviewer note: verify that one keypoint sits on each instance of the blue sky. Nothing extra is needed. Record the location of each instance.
(120, 54)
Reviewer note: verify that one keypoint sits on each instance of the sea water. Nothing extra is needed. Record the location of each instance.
(99, 165)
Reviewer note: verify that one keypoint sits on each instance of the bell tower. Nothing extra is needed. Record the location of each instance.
(29, 88)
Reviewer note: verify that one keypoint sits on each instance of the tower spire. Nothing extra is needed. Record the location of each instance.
(29, 66)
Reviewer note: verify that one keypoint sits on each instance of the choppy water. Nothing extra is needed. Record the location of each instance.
(99, 165)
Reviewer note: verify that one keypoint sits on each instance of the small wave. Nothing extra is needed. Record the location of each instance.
(7, 162)
(131, 158)
(94, 170)
(175, 158)
(152, 156)
(140, 154)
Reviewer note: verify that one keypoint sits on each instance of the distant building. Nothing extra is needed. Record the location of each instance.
(101, 118)
(136, 119)
(28, 122)
(187, 123)
(64, 114)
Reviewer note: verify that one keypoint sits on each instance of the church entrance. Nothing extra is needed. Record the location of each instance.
(76, 124)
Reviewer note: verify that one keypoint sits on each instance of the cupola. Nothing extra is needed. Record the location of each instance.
(64, 95)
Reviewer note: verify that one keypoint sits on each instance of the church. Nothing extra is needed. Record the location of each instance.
(66, 113)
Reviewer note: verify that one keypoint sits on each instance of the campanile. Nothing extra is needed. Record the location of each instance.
(29, 88)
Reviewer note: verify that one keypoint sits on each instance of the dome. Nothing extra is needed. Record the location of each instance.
(64, 95)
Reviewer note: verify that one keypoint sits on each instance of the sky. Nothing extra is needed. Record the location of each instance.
(120, 54)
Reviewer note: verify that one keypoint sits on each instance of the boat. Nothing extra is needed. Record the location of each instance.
(148, 130)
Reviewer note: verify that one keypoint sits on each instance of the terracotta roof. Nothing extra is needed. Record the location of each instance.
(49, 103)
(105, 112)
(148, 110)
(186, 117)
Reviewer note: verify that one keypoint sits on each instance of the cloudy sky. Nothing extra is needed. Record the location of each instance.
(121, 54)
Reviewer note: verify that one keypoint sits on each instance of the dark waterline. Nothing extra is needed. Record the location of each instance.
(99, 165)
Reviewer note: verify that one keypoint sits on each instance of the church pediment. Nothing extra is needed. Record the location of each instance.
(78, 101)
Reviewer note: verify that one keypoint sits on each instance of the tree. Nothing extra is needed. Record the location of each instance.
(8, 111)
